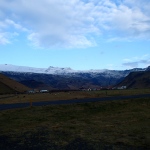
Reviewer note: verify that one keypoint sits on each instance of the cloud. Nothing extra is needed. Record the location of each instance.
(75, 23)
(8, 31)
(15, 25)
(4, 38)
(131, 64)
(7, 37)
(135, 62)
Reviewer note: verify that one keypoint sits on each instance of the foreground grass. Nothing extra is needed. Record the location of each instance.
(22, 98)
(101, 125)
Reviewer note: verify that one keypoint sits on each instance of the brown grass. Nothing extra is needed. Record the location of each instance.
(12, 84)
(101, 125)
(21, 98)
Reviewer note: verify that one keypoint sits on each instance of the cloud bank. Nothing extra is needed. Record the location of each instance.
(135, 62)
(75, 23)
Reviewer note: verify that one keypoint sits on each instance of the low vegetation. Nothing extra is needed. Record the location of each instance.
(10, 86)
(21, 98)
(100, 125)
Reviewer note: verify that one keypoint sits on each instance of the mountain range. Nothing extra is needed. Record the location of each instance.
(65, 78)
(62, 71)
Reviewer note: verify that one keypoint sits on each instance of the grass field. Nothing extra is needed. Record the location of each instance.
(21, 98)
(100, 125)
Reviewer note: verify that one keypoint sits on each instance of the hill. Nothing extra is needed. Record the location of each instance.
(8, 85)
(4, 89)
(136, 80)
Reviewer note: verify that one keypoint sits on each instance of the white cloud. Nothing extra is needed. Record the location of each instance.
(8, 31)
(15, 25)
(75, 23)
(142, 61)
(7, 37)
(4, 38)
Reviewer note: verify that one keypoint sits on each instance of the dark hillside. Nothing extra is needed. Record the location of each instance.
(136, 80)
(4, 89)
(148, 68)
(36, 85)
(8, 85)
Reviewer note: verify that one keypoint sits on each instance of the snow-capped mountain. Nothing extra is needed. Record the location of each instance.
(13, 68)
(60, 71)
(49, 70)
(57, 70)
(68, 71)
(65, 78)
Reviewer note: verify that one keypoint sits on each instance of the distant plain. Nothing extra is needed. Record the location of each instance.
(52, 96)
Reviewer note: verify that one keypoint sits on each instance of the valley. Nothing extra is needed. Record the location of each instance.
(55, 78)
(116, 121)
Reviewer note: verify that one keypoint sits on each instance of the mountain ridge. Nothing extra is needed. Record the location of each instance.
(136, 80)
(56, 70)
(65, 78)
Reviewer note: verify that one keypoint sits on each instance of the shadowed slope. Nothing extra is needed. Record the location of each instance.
(8, 85)
(137, 80)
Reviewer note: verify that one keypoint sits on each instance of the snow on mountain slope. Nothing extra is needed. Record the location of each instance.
(8, 67)
(57, 70)
(68, 71)
(49, 70)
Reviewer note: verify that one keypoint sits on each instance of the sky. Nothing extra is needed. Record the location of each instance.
(80, 34)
